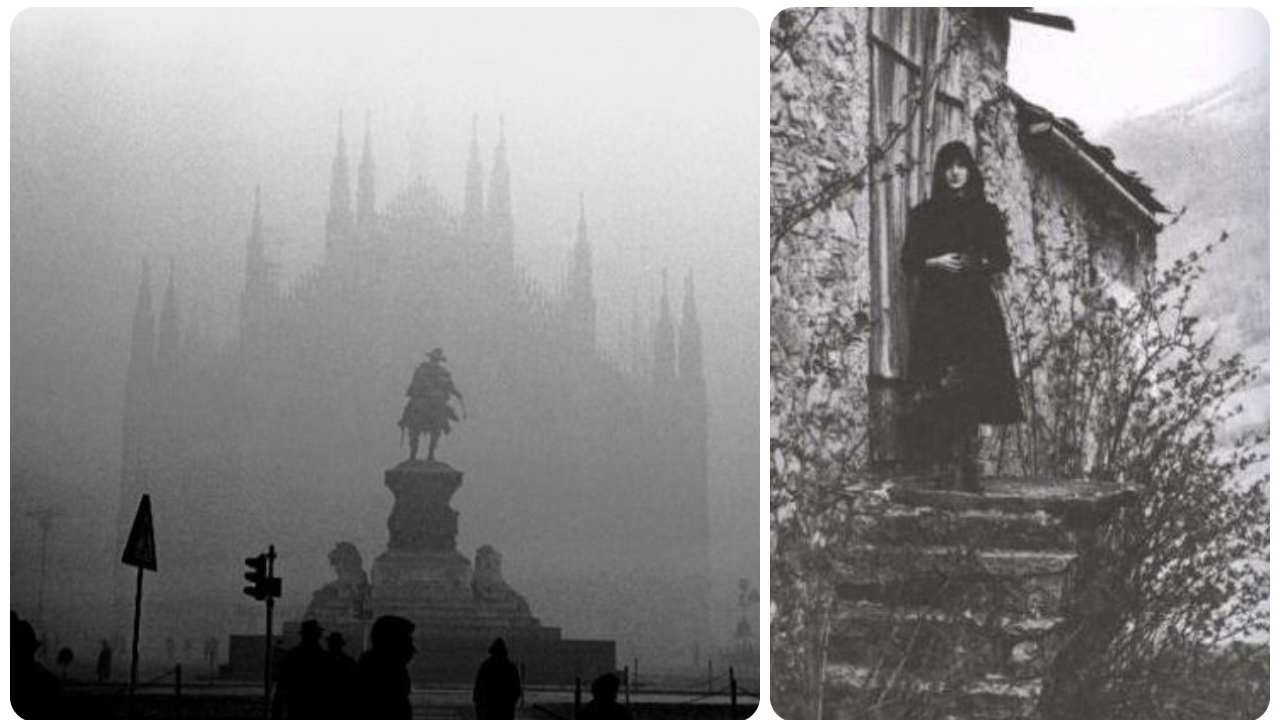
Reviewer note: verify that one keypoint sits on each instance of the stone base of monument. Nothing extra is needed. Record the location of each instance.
(414, 577)
(448, 657)
(457, 609)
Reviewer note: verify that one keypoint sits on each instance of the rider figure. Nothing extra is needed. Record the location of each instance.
(428, 410)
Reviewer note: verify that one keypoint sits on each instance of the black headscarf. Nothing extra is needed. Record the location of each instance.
(957, 153)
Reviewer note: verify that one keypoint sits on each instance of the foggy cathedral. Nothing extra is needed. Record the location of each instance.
(589, 473)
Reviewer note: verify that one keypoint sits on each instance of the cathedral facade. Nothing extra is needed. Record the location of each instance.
(588, 473)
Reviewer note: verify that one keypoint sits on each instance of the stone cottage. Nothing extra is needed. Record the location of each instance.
(861, 98)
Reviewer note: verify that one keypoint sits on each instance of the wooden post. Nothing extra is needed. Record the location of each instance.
(577, 697)
(733, 695)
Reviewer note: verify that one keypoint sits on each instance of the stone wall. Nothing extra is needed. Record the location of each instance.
(818, 270)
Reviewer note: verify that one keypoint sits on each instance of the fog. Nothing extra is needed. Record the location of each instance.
(1120, 63)
(140, 136)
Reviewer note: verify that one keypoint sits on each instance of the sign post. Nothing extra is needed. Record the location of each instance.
(140, 552)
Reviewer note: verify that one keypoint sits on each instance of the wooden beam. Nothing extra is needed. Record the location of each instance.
(1059, 22)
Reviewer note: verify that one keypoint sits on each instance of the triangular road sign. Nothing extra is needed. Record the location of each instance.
(140, 550)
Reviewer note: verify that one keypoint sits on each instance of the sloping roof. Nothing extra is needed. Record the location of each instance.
(1036, 121)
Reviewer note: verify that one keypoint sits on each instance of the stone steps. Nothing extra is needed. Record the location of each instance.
(859, 691)
(954, 604)
(925, 525)
(1079, 503)
(1030, 582)
(1022, 583)
(933, 644)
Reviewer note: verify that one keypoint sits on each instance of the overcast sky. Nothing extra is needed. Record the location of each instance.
(1121, 63)
(142, 134)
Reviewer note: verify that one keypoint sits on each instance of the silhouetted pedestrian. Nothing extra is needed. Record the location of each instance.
(211, 653)
(342, 680)
(34, 692)
(104, 663)
(604, 700)
(65, 658)
(383, 675)
(497, 688)
(302, 684)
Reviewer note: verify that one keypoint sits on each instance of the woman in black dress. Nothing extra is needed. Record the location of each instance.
(959, 355)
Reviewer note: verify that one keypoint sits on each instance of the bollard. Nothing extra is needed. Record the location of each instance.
(522, 684)
(626, 685)
(733, 695)
(577, 697)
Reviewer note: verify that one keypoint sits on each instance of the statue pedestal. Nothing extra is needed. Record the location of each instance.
(421, 568)
(457, 610)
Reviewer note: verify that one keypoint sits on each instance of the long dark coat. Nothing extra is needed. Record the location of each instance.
(497, 689)
(956, 320)
(382, 683)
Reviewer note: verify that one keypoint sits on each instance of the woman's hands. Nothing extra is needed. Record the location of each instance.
(952, 262)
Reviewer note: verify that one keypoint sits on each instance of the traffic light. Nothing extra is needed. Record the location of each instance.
(258, 576)
(264, 586)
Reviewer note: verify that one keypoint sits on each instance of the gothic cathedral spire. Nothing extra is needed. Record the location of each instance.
(582, 302)
(259, 282)
(691, 421)
(365, 188)
(337, 225)
(473, 201)
(501, 225)
(664, 346)
(167, 335)
(142, 344)
(691, 377)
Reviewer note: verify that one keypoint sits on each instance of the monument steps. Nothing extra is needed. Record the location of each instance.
(436, 712)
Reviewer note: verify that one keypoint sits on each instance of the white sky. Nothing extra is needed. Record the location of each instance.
(1125, 62)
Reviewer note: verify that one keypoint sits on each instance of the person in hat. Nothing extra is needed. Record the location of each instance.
(303, 681)
(343, 671)
(428, 410)
(383, 675)
(497, 688)
(604, 703)
(34, 691)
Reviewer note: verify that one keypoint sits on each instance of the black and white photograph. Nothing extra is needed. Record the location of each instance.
(385, 363)
(1018, 363)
